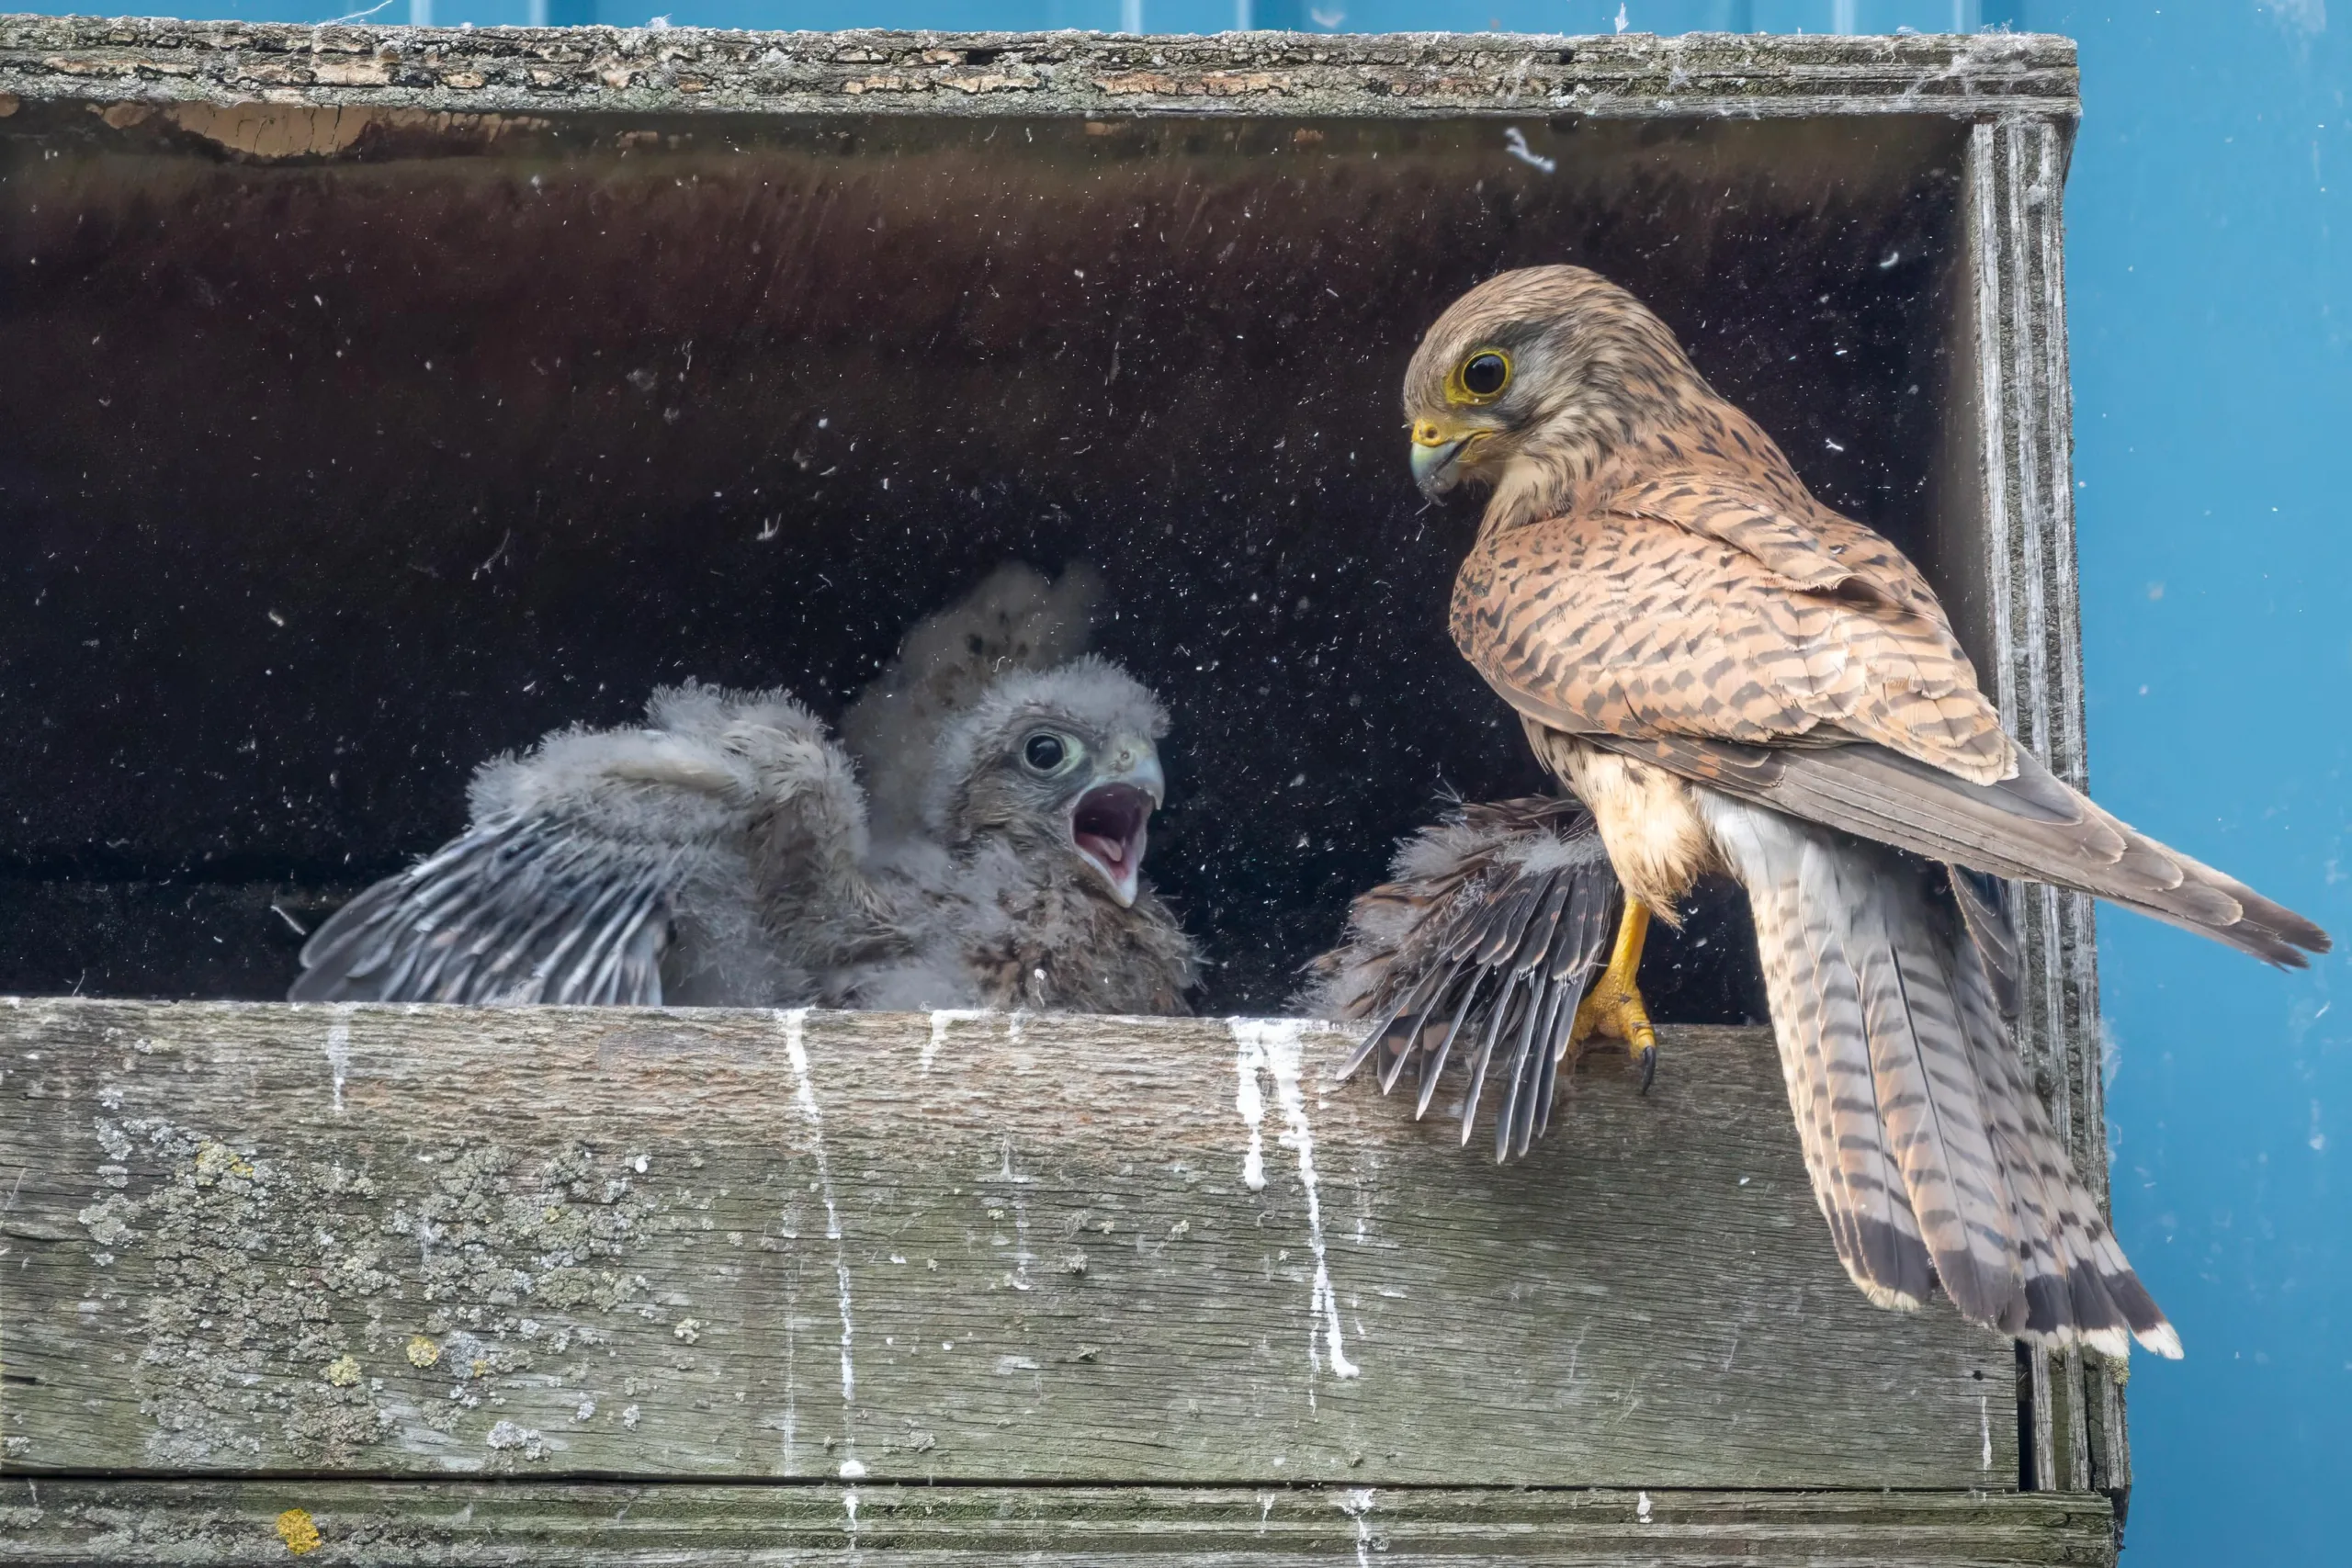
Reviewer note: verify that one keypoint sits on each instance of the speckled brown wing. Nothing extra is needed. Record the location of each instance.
(2032, 826)
(1683, 600)
(1696, 617)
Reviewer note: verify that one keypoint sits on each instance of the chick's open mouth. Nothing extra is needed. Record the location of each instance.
(1107, 826)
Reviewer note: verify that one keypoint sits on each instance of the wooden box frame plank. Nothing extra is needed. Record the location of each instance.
(253, 1523)
(295, 92)
(909, 1247)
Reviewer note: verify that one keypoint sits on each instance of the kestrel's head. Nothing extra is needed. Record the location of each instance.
(1555, 363)
(1056, 761)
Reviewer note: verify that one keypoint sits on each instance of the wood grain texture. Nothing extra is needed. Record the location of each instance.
(531, 72)
(554, 1242)
(2017, 171)
(82, 1522)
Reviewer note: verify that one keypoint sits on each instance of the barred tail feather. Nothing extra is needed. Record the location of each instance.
(1818, 1018)
(2072, 1260)
(1930, 1155)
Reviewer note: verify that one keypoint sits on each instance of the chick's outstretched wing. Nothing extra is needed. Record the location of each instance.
(599, 861)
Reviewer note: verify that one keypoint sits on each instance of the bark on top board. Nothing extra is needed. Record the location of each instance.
(537, 71)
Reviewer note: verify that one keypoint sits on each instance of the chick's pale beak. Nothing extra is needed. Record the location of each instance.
(1436, 445)
(1110, 823)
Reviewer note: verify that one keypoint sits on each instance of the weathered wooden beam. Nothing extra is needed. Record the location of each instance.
(510, 71)
(2017, 170)
(249, 1237)
(699, 1526)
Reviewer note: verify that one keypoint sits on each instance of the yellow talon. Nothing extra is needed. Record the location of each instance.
(1612, 1007)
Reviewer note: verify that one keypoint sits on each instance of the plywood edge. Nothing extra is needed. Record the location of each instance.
(529, 71)
(56, 1522)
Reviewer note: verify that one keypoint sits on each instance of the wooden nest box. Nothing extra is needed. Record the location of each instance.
(382, 397)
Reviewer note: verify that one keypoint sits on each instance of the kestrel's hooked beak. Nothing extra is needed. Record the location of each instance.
(1109, 823)
(1438, 447)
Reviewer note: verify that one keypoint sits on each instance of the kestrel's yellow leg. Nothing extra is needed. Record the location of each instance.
(1612, 1007)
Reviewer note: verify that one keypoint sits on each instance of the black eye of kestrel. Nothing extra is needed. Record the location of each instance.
(1043, 752)
(1486, 374)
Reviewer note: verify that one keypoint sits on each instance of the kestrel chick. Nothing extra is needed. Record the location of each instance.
(1023, 888)
(721, 855)
(1733, 676)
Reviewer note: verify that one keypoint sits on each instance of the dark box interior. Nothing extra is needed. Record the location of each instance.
(329, 476)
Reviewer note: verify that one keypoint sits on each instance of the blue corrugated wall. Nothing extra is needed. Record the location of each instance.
(2212, 354)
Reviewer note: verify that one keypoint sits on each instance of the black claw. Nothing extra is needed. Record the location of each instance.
(1647, 1056)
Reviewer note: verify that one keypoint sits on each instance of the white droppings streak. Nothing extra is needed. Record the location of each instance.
(791, 1383)
(1274, 1043)
(796, 1026)
(1357, 1506)
(1021, 1257)
(339, 1053)
(1985, 1416)
(1252, 1104)
(1642, 1508)
(940, 1019)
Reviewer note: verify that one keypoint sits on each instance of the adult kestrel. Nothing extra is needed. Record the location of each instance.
(1733, 676)
(721, 855)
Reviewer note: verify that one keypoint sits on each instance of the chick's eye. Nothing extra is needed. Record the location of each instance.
(1484, 375)
(1043, 752)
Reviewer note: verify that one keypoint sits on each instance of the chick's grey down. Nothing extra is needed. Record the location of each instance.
(727, 854)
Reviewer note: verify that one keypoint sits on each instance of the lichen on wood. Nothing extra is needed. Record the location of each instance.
(535, 1242)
